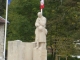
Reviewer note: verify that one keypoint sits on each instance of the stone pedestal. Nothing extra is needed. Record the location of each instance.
(39, 54)
(28, 50)
(18, 50)
(15, 50)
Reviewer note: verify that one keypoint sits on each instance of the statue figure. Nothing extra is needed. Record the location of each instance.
(41, 31)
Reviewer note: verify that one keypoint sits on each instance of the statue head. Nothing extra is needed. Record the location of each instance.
(39, 14)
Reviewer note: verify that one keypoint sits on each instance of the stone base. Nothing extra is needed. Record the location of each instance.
(39, 54)
(18, 50)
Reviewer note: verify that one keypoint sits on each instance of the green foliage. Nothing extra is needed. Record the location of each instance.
(63, 22)
(2, 7)
(49, 57)
(22, 16)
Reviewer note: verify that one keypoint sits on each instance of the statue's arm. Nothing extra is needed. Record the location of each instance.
(37, 23)
(43, 22)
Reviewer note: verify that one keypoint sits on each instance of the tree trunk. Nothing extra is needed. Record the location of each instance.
(66, 58)
(59, 57)
(52, 51)
(56, 57)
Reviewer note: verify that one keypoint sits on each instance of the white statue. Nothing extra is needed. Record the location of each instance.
(40, 31)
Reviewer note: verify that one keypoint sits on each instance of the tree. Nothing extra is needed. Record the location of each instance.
(22, 16)
(63, 21)
(2, 6)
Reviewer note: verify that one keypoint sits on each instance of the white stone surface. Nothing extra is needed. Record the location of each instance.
(41, 31)
(39, 54)
(15, 50)
(18, 50)
(1, 58)
(1, 39)
(28, 51)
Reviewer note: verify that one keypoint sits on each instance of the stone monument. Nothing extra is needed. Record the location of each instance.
(18, 50)
(41, 31)
(40, 52)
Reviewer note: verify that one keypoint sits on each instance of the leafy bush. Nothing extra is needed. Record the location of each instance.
(49, 57)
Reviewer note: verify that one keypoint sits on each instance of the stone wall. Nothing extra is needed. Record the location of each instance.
(18, 50)
(1, 39)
